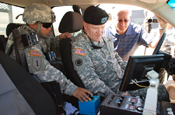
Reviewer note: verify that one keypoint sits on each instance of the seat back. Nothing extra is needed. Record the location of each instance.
(71, 22)
(3, 42)
(3, 39)
(35, 95)
(9, 92)
(18, 44)
(12, 26)
(9, 28)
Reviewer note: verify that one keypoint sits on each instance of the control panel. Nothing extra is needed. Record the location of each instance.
(115, 104)
(167, 108)
(120, 104)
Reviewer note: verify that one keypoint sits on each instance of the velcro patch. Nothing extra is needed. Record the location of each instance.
(80, 52)
(35, 53)
(78, 62)
(37, 63)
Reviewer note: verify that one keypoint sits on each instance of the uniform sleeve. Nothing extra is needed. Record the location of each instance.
(86, 71)
(120, 61)
(111, 49)
(9, 44)
(40, 67)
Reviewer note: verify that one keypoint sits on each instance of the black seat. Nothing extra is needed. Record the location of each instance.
(3, 42)
(3, 39)
(18, 44)
(12, 26)
(36, 96)
(71, 22)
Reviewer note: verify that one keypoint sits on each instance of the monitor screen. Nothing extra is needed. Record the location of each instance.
(136, 69)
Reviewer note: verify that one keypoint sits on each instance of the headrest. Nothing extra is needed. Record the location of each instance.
(76, 8)
(10, 27)
(71, 22)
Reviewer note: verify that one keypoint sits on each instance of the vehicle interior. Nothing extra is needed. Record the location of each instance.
(35, 99)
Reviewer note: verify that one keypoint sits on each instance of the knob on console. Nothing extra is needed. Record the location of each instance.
(139, 108)
(119, 103)
(122, 96)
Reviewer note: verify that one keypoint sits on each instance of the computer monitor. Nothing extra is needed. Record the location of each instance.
(136, 69)
(168, 58)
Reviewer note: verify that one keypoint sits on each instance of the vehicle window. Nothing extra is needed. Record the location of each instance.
(59, 13)
(139, 16)
(8, 15)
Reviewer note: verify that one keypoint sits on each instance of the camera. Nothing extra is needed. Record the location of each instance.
(150, 20)
(29, 39)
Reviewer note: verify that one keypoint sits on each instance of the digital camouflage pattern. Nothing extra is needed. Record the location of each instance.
(37, 12)
(102, 70)
(55, 46)
(23, 30)
(163, 94)
(37, 63)
(39, 66)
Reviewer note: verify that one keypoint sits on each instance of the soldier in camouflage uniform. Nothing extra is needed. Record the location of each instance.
(39, 19)
(100, 68)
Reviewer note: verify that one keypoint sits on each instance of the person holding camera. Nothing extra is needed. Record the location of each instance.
(127, 36)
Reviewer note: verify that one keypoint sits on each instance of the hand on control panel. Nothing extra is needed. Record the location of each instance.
(126, 93)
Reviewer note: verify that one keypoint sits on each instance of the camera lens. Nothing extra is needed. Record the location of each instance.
(149, 20)
(155, 21)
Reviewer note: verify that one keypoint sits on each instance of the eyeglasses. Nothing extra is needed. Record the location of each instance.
(126, 20)
(46, 25)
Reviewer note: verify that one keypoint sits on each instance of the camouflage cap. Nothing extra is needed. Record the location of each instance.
(37, 12)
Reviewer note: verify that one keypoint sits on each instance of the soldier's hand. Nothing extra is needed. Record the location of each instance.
(65, 35)
(80, 93)
(126, 93)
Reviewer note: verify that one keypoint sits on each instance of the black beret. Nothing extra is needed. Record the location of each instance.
(95, 15)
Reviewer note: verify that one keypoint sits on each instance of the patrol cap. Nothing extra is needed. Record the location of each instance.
(95, 15)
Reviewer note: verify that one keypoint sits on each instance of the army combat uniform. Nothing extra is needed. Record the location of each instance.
(101, 70)
(37, 63)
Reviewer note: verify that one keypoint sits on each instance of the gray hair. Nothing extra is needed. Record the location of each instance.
(117, 10)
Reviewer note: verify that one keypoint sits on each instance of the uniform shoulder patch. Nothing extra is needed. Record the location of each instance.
(35, 53)
(78, 62)
(80, 51)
